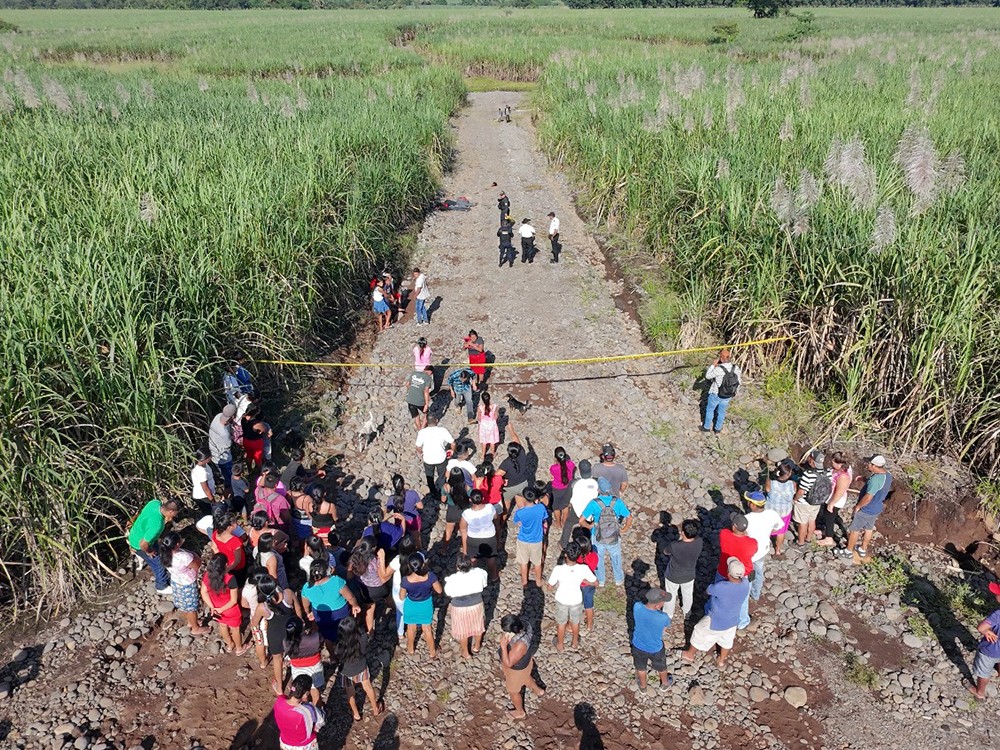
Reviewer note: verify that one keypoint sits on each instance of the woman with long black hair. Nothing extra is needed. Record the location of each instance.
(455, 496)
(562, 471)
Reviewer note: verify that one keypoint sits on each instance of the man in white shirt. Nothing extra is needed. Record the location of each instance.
(566, 579)
(527, 233)
(584, 490)
(554, 236)
(203, 482)
(421, 295)
(761, 522)
(434, 443)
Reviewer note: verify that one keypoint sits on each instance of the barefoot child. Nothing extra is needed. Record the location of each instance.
(589, 558)
(351, 651)
(567, 579)
(183, 568)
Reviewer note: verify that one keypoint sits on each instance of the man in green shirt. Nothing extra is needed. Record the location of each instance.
(145, 532)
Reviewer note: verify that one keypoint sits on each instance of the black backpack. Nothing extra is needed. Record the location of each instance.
(821, 490)
(730, 382)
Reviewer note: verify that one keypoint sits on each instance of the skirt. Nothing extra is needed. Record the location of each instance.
(476, 362)
(561, 498)
(784, 526)
(328, 622)
(350, 680)
(185, 596)
(380, 306)
(418, 613)
(232, 617)
(467, 622)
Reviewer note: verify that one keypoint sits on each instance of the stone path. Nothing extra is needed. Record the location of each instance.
(124, 674)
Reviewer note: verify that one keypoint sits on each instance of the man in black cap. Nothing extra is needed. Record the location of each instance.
(647, 638)
(506, 235)
(554, 236)
(503, 204)
(614, 473)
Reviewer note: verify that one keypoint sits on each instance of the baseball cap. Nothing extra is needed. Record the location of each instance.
(603, 484)
(995, 588)
(585, 468)
(755, 498)
(735, 567)
(878, 461)
(819, 457)
(657, 596)
(607, 450)
(525, 221)
(229, 411)
(739, 522)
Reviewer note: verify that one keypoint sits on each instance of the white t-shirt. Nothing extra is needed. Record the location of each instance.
(421, 286)
(843, 498)
(554, 225)
(466, 466)
(526, 231)
(567, 580)
(435, 440)
(584, 490)
(397, 576)
(201, 474)
(465, 584)
(378, 295)
(760, 524)
(480, 521)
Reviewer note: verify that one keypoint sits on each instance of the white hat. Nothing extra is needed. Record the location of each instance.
(878, 461)
(736, 568)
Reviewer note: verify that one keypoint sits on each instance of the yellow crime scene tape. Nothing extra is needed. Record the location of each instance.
(537, 363)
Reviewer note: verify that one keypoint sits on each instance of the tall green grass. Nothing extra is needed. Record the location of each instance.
(152, 223)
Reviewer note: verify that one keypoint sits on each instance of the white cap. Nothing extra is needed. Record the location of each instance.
(878, 461)
(735, 567)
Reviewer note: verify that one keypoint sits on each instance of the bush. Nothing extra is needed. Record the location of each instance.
(725, 33)
(859, 672)
(7, 27)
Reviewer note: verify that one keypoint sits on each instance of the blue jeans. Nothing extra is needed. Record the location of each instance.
(614, 551)
(716, 408)
(226, 469)
(757, 584)
(160, 574)
(421, 310)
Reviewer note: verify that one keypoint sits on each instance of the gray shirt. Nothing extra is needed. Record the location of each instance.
(220, 440)
(418, 382)
(615, 473)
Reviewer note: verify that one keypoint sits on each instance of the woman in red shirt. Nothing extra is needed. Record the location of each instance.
(225, 542)
(221, 595)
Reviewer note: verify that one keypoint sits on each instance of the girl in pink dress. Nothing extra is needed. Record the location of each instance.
(489, 433)
(421, 355)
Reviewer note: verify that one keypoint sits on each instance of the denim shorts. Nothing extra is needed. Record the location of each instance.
(588, 596)
(984, 667)
(863, 521)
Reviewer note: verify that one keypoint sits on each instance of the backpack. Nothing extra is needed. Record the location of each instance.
(730, 383)
(821, 490)
(608, 529)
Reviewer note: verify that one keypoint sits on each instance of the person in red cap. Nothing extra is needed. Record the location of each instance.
(987, 660)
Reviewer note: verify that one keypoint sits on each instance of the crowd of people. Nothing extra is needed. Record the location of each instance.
(286, 581)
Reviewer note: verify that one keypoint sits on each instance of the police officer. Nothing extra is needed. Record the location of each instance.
(503, 203)
(506, 235)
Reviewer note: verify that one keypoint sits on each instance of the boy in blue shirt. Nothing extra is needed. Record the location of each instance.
(530, 518)
(647, 638)
(987, 661)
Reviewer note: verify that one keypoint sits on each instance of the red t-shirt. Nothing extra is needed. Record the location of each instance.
(743, 548)
(229, 548)
(590, 560)
(494, 494)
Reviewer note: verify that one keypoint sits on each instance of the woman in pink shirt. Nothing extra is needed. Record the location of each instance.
(421, 355)
(298, 720)
(562, 472)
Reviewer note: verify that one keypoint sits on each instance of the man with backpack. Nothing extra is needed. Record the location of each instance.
(608, 518)
(725, 379)
(814, 487)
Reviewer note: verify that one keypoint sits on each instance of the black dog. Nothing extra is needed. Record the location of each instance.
(520, 406)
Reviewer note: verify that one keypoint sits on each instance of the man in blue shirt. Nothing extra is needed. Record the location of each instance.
(722, 613)
(869, 507)
(647, 638)
(460, 383)
(608, 518)
(987, 659)
(530, 518)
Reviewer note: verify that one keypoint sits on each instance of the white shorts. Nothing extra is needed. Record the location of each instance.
(315, 672)
(704, 638)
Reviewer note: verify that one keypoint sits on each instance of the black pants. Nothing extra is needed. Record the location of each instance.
(435, 476)
(507, 253)
(527, 250)
(556, 247)
(503, 216)
(828, 522)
